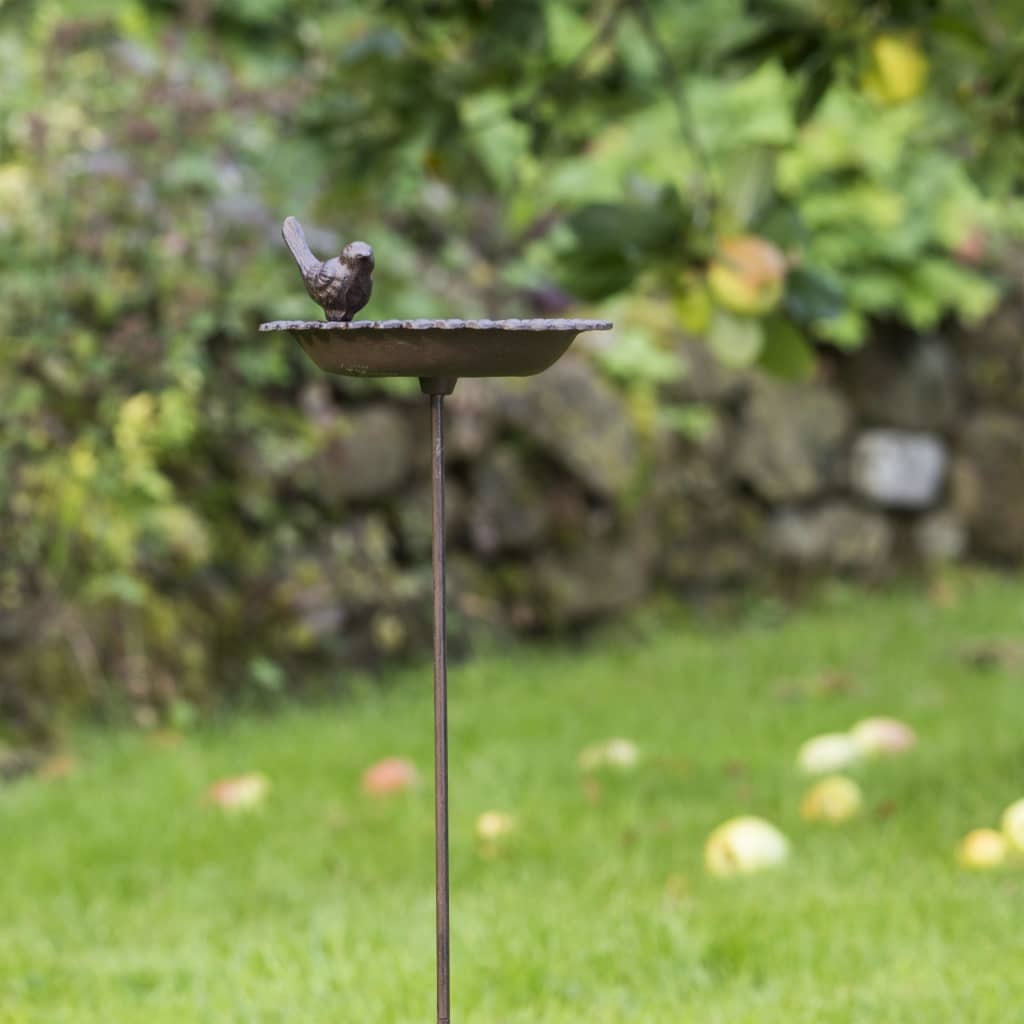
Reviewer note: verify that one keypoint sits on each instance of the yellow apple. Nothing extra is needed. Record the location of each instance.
(618, 753)
(829, 752)
(239, 794)
(834, 800)
(747, 275)
(492, 826)
(1013, 825)
(982, 849)
(743, 846)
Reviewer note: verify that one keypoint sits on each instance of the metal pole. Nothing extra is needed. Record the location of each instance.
(440, 715)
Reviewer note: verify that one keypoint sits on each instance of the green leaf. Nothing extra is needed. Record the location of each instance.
(695, 421)
(568, 32)
(267, 674)
(192, 171)
(971, 295)
(635, 356)
(119, 586)
(736, 340)
(614, 242)
(812, 295)
(500, 142)
(786, 352)
(747, 184)
(848, 329)
(755, 110)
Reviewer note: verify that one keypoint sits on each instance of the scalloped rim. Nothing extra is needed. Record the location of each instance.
(438, 325)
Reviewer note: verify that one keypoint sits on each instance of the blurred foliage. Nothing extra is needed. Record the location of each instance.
(772, 174)
(630, 144)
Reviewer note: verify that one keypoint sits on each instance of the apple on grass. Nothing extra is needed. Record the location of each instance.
(392, 775)
(240, 793)
(744, 846)
(493, 826)
(834, 800)
(982, 849)
(617, 753)
(882, 737)
(1013, 825)
(830, 752)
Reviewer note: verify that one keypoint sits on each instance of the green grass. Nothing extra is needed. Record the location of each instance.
(124, 898)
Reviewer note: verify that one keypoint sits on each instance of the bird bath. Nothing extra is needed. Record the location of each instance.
(437, 352)
(433, 349)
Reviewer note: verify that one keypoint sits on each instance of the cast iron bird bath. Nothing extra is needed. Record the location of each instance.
(437, 352)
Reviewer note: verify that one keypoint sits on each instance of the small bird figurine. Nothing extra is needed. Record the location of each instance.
(341, 285)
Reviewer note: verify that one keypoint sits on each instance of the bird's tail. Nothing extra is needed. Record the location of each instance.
(295, 239)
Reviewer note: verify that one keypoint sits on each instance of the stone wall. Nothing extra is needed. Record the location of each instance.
(570, 500)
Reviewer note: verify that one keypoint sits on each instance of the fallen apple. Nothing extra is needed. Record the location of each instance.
(743, 846)
(493, 826)
(982, 849)
(1013, 825)
(614, 753)
(241, 793)
(392, 775)
(834, 800)
(882, 736)
(747, 275)
(827, 753)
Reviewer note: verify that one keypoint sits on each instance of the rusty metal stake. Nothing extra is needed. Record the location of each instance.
(437, 391)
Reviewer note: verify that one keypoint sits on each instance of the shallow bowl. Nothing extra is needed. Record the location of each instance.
(435, 348)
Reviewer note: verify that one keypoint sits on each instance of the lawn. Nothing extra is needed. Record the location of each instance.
(125, 897)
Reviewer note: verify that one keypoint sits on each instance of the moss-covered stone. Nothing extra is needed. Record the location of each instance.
(790, 441)
(577, 418)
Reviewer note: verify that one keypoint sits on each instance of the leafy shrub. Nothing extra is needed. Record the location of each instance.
(135, 259)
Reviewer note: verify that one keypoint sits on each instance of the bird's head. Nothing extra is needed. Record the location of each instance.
(358, 254)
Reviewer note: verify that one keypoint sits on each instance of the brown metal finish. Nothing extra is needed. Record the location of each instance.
(438, 385)
(435, 348)
(341, 286)
(440, 714)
